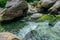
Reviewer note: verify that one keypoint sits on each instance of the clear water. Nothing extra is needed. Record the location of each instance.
(30, 30)
(40, 31)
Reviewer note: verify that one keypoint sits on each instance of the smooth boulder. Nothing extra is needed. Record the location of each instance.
(13, 9)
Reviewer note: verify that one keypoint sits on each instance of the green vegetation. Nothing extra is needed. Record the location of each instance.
(1, 29)
(51, 18)
(2, 3)
(46, 17)
(54, 19)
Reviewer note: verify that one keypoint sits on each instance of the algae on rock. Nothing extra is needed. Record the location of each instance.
(50, 18)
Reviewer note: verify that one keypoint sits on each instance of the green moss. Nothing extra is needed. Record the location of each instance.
(58, 17)
(45, 17)
(1, 29)
(51, 18)
(54, 19)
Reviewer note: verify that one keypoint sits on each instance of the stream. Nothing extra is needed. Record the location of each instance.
(32, 30)
(40, 31)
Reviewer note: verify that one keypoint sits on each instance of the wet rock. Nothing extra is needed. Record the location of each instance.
(55, 9)
(8, 36)
(13, 9)
(36, 15)
(48, 6)
(30, 35)
(31, 9)
(44, 5)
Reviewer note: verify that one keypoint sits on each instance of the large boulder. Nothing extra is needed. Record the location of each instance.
(43, 5)
(13, 9)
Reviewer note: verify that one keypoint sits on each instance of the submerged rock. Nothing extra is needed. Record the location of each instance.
(14, 8)
(8, 36)
(43, 32)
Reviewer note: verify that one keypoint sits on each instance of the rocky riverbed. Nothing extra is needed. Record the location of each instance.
(33, 26)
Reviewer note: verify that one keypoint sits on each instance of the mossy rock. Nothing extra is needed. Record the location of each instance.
(52, 19)
(45, 17)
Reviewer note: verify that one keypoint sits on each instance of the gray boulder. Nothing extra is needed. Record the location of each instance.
(13, 9)
(50, 6)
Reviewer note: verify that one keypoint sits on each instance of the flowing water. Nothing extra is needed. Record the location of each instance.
(31, 30)
(40, 31)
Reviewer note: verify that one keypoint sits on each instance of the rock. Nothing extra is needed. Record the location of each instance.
(55, 9)
(31, 9)
(48, 6)
(36, 5)
(36, 15)
(13, 9)
(8, 36)
(44, 5)
(29, 35)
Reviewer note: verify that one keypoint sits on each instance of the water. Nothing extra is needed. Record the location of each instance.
(40, 31)
(30, 27)
(31, 30)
